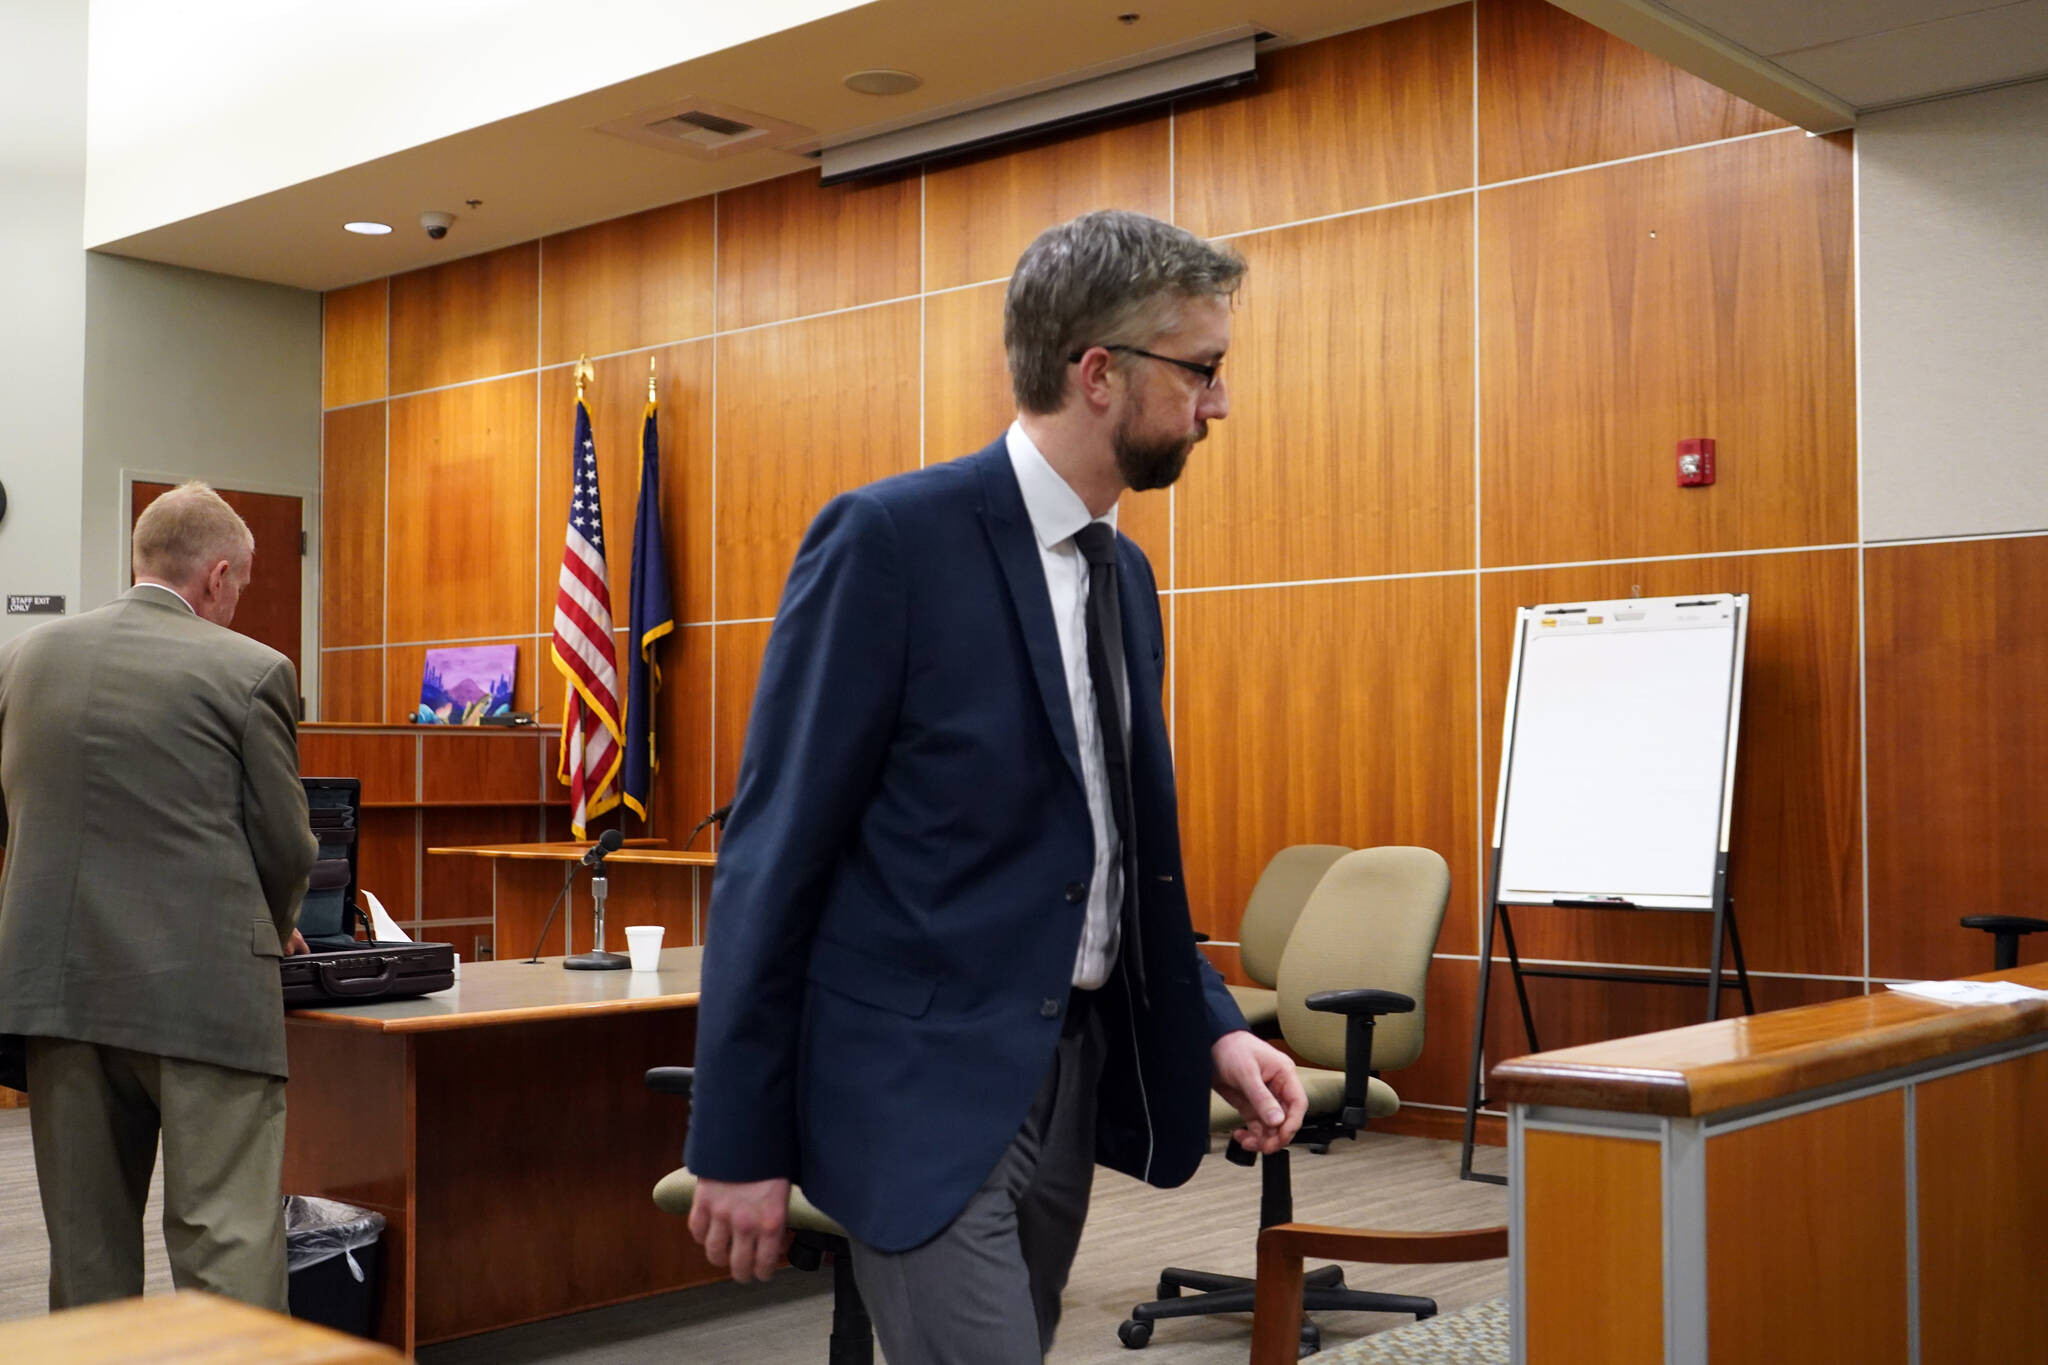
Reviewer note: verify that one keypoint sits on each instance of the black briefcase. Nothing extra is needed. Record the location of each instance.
(342, 968)
(368, 971)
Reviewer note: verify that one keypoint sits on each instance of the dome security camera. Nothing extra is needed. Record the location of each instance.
(437, 224)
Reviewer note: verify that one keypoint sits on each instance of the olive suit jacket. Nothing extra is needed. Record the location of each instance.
(157, 843)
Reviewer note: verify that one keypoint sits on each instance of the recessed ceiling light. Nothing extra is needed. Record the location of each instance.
(367, 229)
(883, 81)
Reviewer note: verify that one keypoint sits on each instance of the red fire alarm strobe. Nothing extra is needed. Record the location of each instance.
(1696, 462)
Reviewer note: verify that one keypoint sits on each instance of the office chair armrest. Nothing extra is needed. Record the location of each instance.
(1361, 1002)
(1360, 1008)
(2005, 924)
(672, 1080)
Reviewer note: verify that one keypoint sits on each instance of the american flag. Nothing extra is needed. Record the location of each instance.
(583, 649)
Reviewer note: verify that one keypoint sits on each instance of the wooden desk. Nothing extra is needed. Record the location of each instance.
(503, 1131)
(1854, 1181)
(191, 1328)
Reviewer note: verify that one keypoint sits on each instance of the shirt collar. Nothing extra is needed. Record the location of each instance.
(160, 587)
(1056, 510)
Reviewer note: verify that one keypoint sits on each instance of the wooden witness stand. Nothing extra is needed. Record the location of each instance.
(1617, 778)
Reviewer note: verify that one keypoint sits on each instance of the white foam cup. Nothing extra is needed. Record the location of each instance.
(643, 945)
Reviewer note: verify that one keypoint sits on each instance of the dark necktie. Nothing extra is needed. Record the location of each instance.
(1097, 543)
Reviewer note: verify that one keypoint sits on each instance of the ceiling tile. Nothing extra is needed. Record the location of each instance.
(2005, 44)
(1769, 27)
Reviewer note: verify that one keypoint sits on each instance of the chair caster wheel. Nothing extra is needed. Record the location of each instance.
(1133, 1333)
(1166, 1289)
(1311, 1340)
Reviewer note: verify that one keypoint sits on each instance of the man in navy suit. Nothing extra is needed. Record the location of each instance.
(950, 966)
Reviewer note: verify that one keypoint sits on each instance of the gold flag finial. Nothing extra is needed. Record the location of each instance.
(650, 379)
(585, 374)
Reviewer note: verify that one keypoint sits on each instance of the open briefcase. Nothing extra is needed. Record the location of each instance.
(343, 969)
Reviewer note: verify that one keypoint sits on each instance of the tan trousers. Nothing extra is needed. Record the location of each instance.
(95, 1113)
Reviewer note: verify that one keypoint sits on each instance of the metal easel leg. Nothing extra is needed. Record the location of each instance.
(1473, 1098)
(1714, 964)
(1741, 967)
(1507, 934)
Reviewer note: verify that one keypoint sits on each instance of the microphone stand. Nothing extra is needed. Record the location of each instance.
(597, 959)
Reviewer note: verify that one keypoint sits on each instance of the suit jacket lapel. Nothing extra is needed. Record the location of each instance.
(1009, 533)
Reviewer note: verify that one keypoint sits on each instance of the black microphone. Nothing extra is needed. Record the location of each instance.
(716, 817)
(607, 844)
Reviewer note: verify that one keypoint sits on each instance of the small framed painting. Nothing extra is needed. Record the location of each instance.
(461, 686)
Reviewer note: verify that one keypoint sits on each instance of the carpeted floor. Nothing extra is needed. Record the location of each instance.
(1476, 1336)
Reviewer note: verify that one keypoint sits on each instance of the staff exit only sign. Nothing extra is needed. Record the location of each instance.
(34, 604)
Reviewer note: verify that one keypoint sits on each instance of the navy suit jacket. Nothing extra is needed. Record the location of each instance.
(901, 884)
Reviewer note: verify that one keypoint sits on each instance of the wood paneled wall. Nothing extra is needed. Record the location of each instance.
(1501, 264)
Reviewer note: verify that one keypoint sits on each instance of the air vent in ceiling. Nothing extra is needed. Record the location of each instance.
(704, 128)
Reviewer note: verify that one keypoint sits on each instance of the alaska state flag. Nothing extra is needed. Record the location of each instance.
(651, 618)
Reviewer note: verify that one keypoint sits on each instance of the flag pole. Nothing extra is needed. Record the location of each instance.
(633, 642)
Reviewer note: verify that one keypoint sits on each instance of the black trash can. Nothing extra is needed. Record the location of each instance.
(333, 1251)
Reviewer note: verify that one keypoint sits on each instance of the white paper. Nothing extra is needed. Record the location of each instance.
(383, 929)
(1971, 992)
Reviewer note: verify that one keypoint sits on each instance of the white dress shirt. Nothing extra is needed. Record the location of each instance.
(1056, 512)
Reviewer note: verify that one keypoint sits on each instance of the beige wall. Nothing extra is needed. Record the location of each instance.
(1955, 315)
(195, 376)
(42, 296)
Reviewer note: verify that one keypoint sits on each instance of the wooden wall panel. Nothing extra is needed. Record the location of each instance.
(1572, 1013)
(1335, 714)
(1438, 1075)
(787, 248)
(1593, 1248)
(483, 767)
(967, 398)
(1627, 308)
(643, 280)
(739, 670)
(387, 859)
(405, 665)
(1958, 746)
(352, 526)
(980, 213)
(468, 319)
(618, 407)
(682, 790)
(352, 344)
(1374, 116)
(352, 685)
(1554, 91)
(458, 886)
(1810, 1210)
(786, 446)
(1348, 449)
(461, 550)
(968, 403)
(385, 763)
(1795, 861)
(1983, 1212)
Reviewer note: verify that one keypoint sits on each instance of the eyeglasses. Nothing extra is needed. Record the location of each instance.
(1209, 373)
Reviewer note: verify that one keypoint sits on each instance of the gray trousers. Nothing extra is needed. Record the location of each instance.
(986, 1290)
(94, 1115)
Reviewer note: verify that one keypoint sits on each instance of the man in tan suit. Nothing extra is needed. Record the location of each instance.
(157, 847)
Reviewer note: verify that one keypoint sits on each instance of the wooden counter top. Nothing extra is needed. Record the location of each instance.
(522, 992)
(634, 851)
(1708, 1068)
(186, 1326)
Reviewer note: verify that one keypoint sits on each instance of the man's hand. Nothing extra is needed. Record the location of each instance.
(1259, 1081)
(740, 1225)
(296, 944)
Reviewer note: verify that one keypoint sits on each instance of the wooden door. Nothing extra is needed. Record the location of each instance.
(271, 609)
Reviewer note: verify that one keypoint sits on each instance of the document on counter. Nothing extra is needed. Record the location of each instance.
(1971, 992)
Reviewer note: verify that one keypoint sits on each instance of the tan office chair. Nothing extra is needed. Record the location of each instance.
(1270, 911)
(1360, 951)
(813, 1237)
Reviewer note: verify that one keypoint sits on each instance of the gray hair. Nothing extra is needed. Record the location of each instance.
(1111, 278)
(187, 531)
